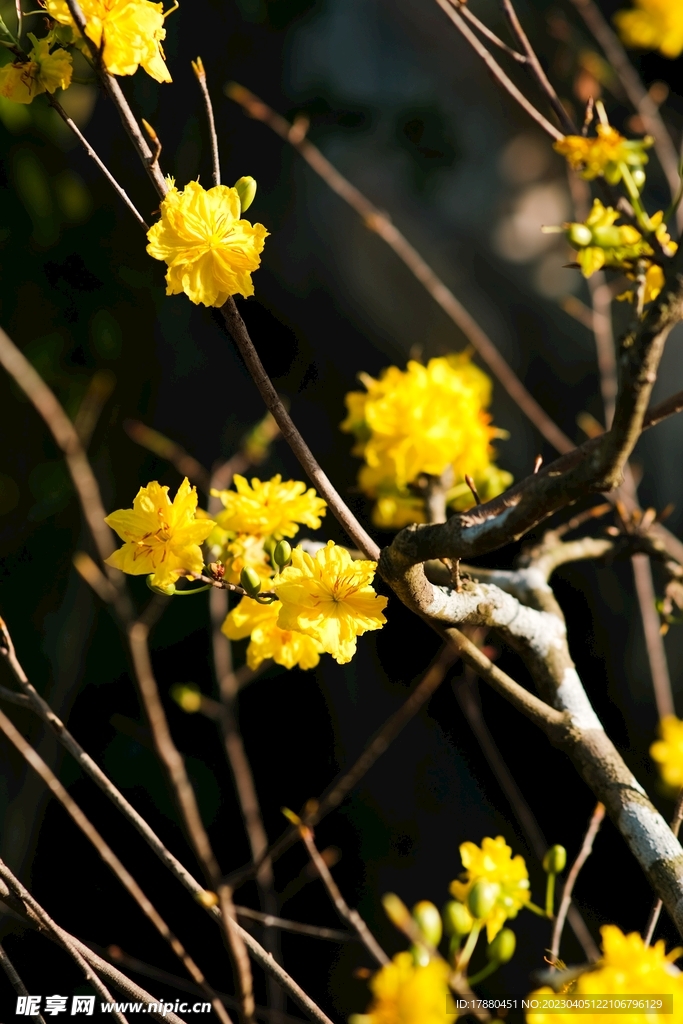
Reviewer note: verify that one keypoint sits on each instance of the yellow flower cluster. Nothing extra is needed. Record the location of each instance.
(131, 31)
(653, 25)
(667, 752)
(493, 862)
(22, 81)
(162, 537)
(603, 155)
(328, 599)
(601, 242)
(628, 967)
(210, 251)
(408, 993)
(423, 420)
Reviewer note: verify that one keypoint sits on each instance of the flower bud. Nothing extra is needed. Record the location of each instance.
(420, 955)
(428, 920)
(482, 898)
(502, 948)
(555, 860)
(207, 898)
(609, 236)
(396, 910)
(638, 175)
(282, 554)
(167, 591)
(187, 697)
(246, 190)
(579, 235)
(457, 919)
(250, 580)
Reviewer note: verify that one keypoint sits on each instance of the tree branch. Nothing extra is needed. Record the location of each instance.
(583, 855)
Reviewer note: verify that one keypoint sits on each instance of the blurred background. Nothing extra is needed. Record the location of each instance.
(401, 106)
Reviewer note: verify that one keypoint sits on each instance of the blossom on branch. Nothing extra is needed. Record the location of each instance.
(161, 537)
(667, 752)
(424, 420)
(603, 155)
(132, 32)
(211, 253)
(408, 993)
(653, 25)
(270, 507)
(628, 967)
(329, 597)
(259, 621)
(493, 862)
(601, 242)
(22, 81)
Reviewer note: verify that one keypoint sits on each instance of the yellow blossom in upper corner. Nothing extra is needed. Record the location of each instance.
(330, 598)
(422, 420)
(407, 993)
(628, 967)
(653, 25)
(493, 862)
(161, 537)
(600, 156)
(272, 507)
(132, 31)
(259, 621)
(667, 752)
(22, 81)
(210, 251)
(601, 242)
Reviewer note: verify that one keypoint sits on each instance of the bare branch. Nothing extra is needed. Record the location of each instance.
(657, 905)
(296, 927)
(584, 853)
(169, 450)
(15, 981)
(381, 224)
(486, 31)
(200, 74)
(654, 642)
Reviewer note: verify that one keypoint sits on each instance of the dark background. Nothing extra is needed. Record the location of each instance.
(402, 107)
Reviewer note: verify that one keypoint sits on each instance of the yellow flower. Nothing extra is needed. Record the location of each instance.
(653, 25)
(493, 862)
(270, 507)
(654, 282)
(259, 621)
(132, 31)
(161, 537)
(667, 752)
(406, 993)
(237, 551)
(210, 251)
(43, 72)
(329, 597)
(628, 967)
(422, 420)
(600, 156)
(600, 242)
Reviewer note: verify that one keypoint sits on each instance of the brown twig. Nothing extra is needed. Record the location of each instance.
(100, 389)
(534, 66)
(62, 937)
(110, 859)
(654, 642)
(584, 853)
(657, 905)
(341, 906)
(380, 223)
(12, 976)
(497, 71)
(119, 189)
(296, 927)
(169, 450)
(636, 91)
(491, 36)
(200, 74)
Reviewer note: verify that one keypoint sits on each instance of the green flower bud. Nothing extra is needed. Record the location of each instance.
(420, 955)
(457, 919)
(250, 580)
(502, 948)
(579, 235)
(167, 591)
(269, 546)
(555, 860)
(639, 176)
(482, 898)
(428, 920)
(608, 236)
(246, 190)
(187, 697)
(282, 554)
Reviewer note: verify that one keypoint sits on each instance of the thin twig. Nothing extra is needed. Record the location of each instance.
(20, 18)
(496, 70)
(534, 66)
(62, 937)
(11, 973)
(198, 68)
(119, 189)
(169, 450)
(340, 904)
(486, 31)
(657, 905)
(110, 859)
(296, 927)
(381, 224)
(119, 100)
(584, 853)
(654, 641)
(636, 91)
